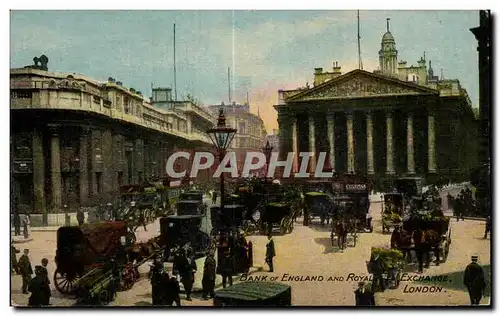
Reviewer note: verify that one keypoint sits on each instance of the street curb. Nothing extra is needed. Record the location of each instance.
(21, 240)
(42, 229)
(469, 218)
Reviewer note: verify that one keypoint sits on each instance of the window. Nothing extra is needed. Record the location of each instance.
(97, 99)
(126, 105)
(98, 181)
(118, 100)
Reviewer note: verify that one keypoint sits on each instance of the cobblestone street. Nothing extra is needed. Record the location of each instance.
(308, 252)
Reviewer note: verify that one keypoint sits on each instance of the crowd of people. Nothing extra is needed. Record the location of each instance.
(463, 204)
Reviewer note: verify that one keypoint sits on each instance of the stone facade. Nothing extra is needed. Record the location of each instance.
(381, 124)
(76, 141)
(251, 132)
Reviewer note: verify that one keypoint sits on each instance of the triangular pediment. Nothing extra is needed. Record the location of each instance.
(360, 84)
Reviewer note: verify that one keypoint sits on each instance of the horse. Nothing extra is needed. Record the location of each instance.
(339, 228)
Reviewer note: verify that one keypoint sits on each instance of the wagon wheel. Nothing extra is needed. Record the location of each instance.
(129, 277)
(64, 283)
(104, 297)
(283, 226)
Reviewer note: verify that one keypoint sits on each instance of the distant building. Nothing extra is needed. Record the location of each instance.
(396, 121)
(274, 140)
(251, 132)
(76, 140)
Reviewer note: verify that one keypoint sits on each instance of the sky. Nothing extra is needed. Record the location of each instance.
(266, 50)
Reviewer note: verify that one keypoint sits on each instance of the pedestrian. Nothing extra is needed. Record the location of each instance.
(17, 224)
(172, 291)
(487, 228)
(226, 267)
(45, 272)
(377, 269)
(474, 280)
(39, 289)
(142, 220)
(214, 197)
(13, 258)
(364, 295)
(418, 238)
(26, 222)
(25, 269)
(185, 267)
(208, 281)
(270, 252)
(157, 287)
(80, 217)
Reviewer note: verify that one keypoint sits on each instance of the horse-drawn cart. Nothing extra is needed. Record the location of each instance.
(386, 265)
(393, 211)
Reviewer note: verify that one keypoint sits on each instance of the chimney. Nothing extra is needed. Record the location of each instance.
(336, 69)
(318, 71)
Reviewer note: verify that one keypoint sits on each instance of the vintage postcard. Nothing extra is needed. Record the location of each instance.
(250, 158)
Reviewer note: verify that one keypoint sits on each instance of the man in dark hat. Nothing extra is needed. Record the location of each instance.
(270, 252)
(185, 266)
(364, 295)
(43, 267)
(208, 281)
(487, 228)
(157, 286)
(80, 217)
(25, 270)
(172, 289)
(39, 289)
(474, 280)
(226, 267)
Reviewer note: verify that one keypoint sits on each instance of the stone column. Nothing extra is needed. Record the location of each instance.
(409, 145)
(369, 143)
(39, 175)
(281, 135)
(295, 145)
(389, 141)
(84, 165)
(55, 165)
(350, 143)
(431, 143)
(330, 119)
(312, 144)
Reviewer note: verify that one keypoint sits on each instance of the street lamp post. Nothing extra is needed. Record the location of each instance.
(221, 136)
(268, 149)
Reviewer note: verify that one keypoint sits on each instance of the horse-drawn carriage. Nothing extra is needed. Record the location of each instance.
(230, 218)
(318, 201)
(436, 231)
(94, 260)
(358, 189)
(195, 197)
(184, 230)
(393, 210)
(345, 222)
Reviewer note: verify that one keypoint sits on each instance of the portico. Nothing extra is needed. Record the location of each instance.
(367, 123)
